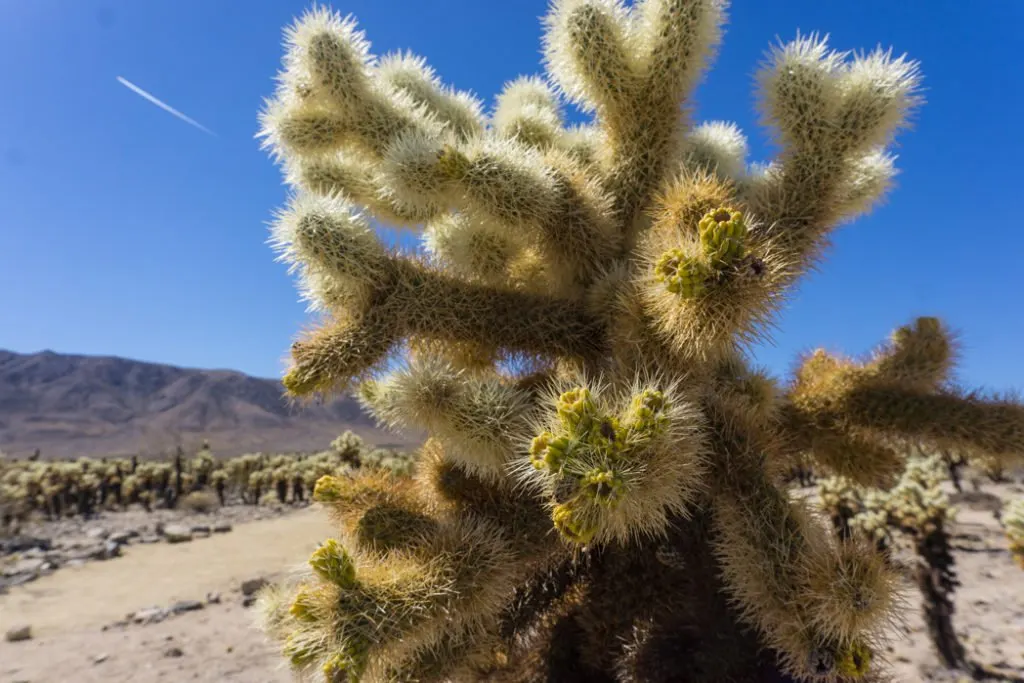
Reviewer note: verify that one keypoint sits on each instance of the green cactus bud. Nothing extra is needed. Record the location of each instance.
(302, 606)
(568, 523)
(603, 486)
(332, 563)
(722, 233)
(576, 409)
(548, 451)
(646, 413)
(682, 275)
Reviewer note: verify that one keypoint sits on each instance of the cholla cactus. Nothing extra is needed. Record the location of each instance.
(1013, 519)
(349, 447)
(600, 493)
(842, 500)
(917, 506)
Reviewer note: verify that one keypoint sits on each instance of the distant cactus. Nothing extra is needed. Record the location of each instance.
(599, 499)
(918, 507)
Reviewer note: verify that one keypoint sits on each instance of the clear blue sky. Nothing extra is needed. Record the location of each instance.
(125, 231)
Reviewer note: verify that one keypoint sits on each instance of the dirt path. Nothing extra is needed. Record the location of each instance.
(67, 610)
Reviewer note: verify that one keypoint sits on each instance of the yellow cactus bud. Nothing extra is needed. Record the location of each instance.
(603, 486)
(567, 522)
(332, 563)
(722, 232)
(855, 660)
(576, 409)
(327, 489)
(647, 412)
(301, 607)
(548, 451)
(683, 275)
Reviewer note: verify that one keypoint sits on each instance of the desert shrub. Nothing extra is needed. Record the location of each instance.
(203, 501)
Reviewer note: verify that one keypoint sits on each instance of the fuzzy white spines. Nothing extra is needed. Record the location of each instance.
(798, 89)
(528, 111)
(674, 40)
(586, 51)
(867, 181)
(816, 97)
(333, 246)
(479, 418)
(718, 146)
(327, 58)
(460, 112)
(471, 248)
(412, 174)
(879, 92)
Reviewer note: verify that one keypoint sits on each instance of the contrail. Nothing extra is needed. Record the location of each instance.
(166, 107)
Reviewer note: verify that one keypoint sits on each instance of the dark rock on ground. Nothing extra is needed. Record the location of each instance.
(251, 586)
(18, 634)
(186, 606)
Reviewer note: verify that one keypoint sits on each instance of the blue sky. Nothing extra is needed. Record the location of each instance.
(125, 231)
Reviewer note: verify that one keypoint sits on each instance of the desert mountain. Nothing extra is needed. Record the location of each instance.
(69, 406)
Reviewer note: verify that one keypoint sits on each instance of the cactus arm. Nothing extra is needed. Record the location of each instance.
(831, 115)
(417, 300)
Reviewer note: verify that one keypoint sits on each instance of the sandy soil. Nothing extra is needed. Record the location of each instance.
(68, 609)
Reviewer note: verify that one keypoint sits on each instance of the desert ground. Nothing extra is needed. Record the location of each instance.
(150, 610)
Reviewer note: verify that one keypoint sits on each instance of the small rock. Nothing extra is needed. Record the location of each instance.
(21, 579)
(151, 615)
(221, 528)
(20, 544)
(76, 562)
(251, 586)
(25, 566)
(213, 598)
(186, 606)
(249, 601)
(18, 634)
(120, 538)
(177, 533)
(99, 659)
(97, 533)
(149, 539)
(201, 529)
(174, 651)
(111, 550)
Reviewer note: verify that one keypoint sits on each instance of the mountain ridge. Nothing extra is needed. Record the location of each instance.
(69, 405)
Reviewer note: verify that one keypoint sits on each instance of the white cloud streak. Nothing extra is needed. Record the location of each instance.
(163, 105)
